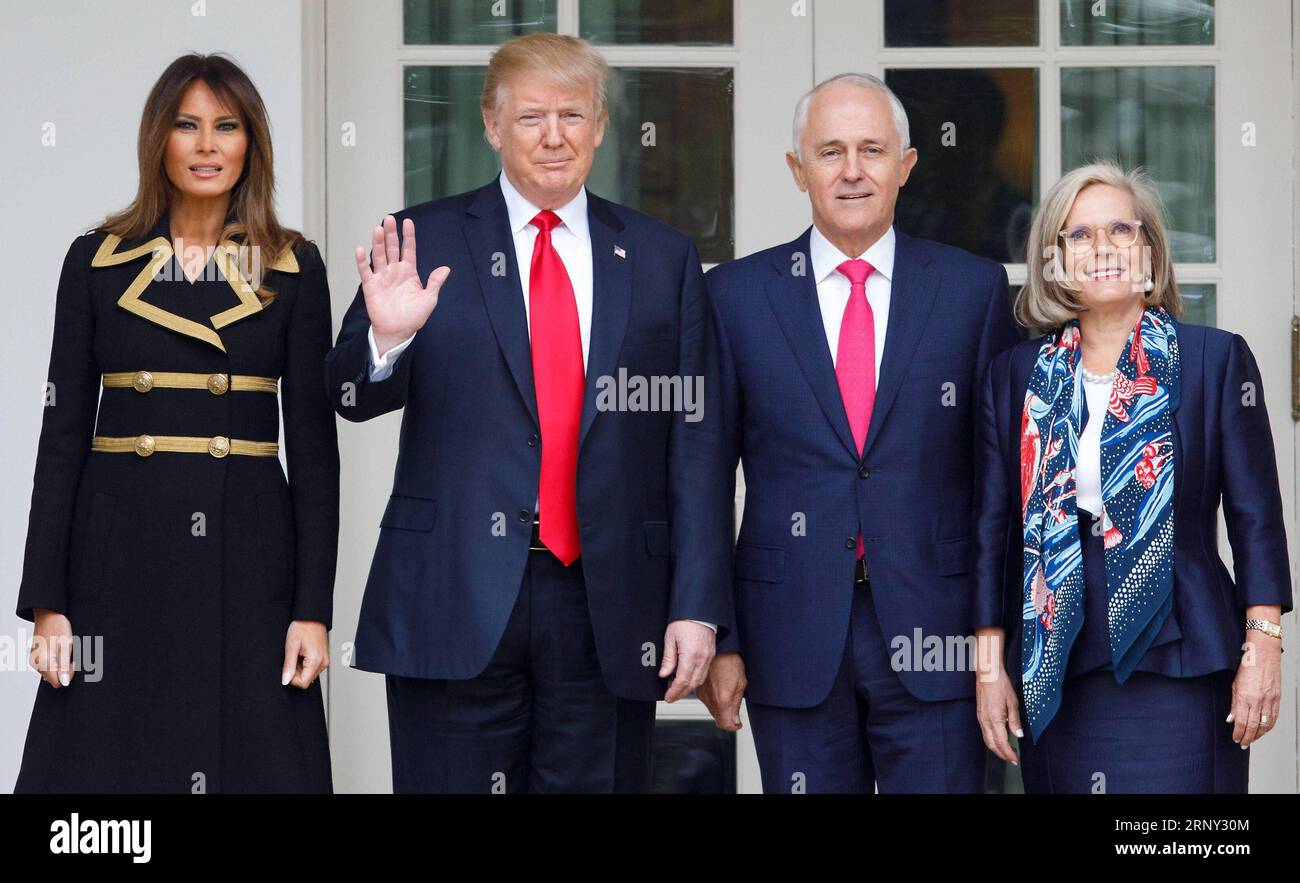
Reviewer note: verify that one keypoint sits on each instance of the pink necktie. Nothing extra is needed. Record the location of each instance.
(855, 360)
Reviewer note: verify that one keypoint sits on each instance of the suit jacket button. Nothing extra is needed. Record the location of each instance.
(219, 446)
(533, 440)
(863, 471)
(850, 542)
(218, 384)
(144, 445)
(143, 381)
(525, 516)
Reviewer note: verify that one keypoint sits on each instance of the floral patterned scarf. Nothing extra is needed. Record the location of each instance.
(1137, 471)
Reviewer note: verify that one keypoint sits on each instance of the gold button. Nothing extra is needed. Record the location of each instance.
(218, 384)
(219, 446)
(144, 445)
(143, 381)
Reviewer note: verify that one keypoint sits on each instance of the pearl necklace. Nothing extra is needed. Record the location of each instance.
(1090, 377)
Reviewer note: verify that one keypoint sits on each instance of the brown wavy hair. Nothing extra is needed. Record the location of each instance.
(250, 219)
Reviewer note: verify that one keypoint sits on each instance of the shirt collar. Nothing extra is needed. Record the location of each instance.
(573, 214)
(826, 257)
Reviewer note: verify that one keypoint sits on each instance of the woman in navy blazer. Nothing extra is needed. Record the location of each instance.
(1124, 635)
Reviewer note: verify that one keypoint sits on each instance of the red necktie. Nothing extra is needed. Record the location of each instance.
(855, 360)
(558, 378)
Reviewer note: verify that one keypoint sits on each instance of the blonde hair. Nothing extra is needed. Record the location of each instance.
(569, 61)
(1046, 302)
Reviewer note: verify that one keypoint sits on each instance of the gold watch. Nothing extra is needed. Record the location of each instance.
(1272, 629)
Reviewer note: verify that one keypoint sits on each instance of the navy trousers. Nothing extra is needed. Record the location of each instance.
(538, 719)
(1153, 734)
(870, 733)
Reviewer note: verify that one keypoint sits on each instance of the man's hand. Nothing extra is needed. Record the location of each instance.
(688, 649)
(723, 689)
(395, 301)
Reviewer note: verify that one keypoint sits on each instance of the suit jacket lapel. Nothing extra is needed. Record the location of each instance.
(912, 295)
(611, 302)
(1191, 366)
(794, 301)
(488, 235)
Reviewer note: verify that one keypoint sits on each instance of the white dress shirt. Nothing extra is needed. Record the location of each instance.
(1087, 475)
(833, 287)
(572, 241)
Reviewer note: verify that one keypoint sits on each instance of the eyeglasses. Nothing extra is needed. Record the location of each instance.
(1122, 233)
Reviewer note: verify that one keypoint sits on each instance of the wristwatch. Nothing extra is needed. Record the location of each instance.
(1272, 629)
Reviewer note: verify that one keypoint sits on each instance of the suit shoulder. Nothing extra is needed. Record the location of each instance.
(1022, 351)
(307, 254)
(435, 210)
(746, 269)
(646, 227)
(83, 248)
(1207, 335)
(964, 262)
(1219, 345)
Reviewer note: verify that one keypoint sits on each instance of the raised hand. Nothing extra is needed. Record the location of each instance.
(397, 304)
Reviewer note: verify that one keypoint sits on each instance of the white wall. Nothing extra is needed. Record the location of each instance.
(86, 67)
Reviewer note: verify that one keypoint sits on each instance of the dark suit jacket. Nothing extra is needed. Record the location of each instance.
(1223, 450)
(807, 492)
(454, 538)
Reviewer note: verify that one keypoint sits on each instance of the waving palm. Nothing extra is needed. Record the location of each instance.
(396, 303)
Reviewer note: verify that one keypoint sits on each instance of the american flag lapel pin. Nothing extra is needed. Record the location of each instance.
(618, 250)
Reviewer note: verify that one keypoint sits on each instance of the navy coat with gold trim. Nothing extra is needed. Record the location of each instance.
(189, 565)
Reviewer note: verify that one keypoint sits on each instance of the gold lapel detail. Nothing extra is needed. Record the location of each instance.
(286, 262)
(248, 300)
(108, 256)
(226, 260)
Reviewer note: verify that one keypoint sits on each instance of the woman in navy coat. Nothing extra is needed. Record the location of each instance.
(163, 533)
(1106, 446)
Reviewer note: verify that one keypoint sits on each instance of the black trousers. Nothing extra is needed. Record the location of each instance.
(538, 719)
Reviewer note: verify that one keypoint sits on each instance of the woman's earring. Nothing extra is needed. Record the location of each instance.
(1149, 284)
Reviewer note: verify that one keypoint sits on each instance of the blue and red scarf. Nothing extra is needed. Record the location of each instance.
(1137, 491)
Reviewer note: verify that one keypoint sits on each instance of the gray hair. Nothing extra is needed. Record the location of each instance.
(866, 81)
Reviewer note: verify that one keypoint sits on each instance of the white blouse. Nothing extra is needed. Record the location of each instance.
(1087, 478)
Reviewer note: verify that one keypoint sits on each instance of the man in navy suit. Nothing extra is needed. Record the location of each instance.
(848, 364)
(545, 560)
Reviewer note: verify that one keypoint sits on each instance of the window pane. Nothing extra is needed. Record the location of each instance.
(961, 23)
(1137, 23)
(1160, 118)
(457, 22)
(445, 152)
(693, 757)
(1199, 303)
(976, 135)
(656, 156)
(680, 22)
(668, 151)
